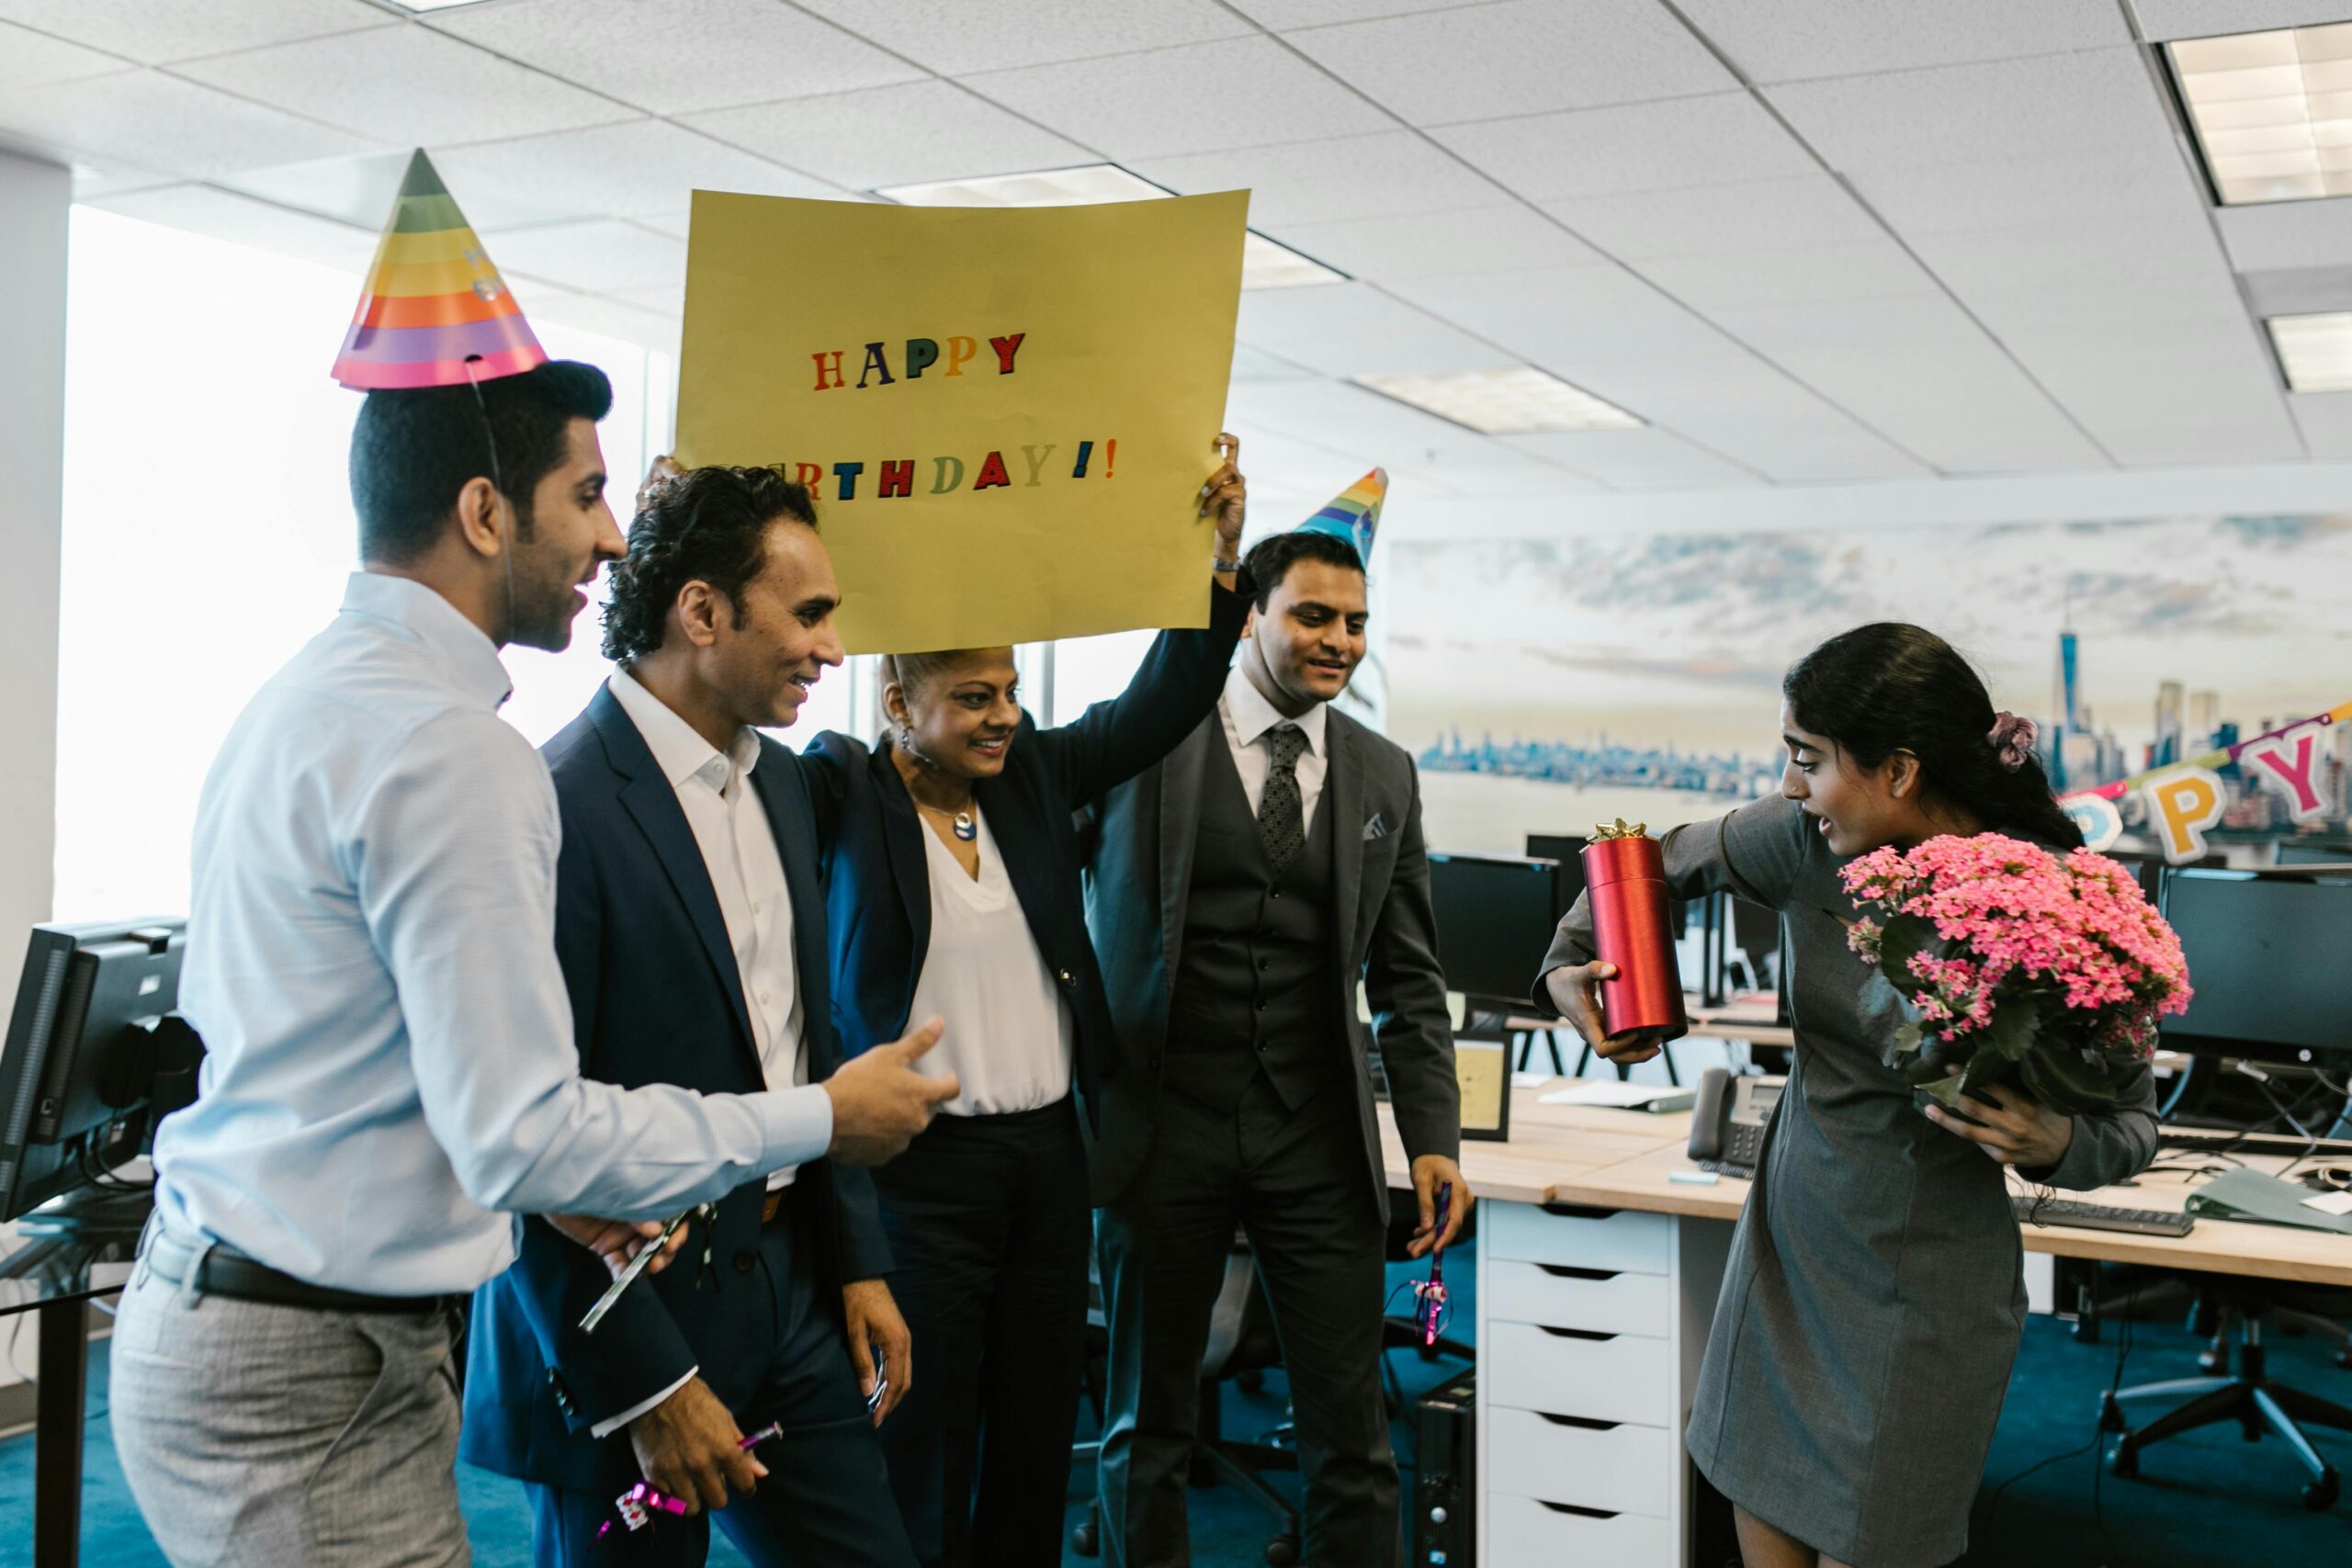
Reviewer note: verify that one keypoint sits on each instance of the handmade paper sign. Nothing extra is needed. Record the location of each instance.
(1005, 414)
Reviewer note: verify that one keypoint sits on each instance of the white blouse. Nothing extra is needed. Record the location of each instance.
(1010, 1033)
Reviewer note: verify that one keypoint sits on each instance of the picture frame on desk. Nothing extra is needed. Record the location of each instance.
(1482, 1072)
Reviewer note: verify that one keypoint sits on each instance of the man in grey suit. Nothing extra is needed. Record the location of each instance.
(1237, 892)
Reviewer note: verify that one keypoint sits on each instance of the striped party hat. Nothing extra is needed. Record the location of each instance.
(434, 313)
(1354, 515)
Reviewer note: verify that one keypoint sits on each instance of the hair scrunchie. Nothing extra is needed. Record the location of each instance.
(2013, 738)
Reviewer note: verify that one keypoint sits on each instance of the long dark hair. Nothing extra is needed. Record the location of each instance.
(1889, 687)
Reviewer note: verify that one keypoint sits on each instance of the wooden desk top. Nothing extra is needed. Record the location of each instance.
(1622, 1159)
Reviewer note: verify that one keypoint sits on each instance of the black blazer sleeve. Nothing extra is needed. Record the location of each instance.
(1406, 988)
(1175, 686)
(638, 1349)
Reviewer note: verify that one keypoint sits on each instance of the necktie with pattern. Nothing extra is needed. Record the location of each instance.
(1282, 824)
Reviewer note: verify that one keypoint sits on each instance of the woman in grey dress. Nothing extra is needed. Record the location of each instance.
(1875, 1293)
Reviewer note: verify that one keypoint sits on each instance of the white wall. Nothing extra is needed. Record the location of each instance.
(34, 199)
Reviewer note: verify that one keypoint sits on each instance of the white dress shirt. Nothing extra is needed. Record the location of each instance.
(371, 963)
(1012, 1035)
(1248, 718)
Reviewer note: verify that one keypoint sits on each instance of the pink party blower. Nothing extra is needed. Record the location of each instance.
(1625, 881)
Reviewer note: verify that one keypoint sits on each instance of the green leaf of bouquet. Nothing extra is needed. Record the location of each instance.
(2013, 1026)
(1988, 1066)
(1944, 1090)
(1904, 938)
(2061, 1077)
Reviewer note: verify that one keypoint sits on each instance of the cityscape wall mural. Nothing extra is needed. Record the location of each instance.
(1548, 684)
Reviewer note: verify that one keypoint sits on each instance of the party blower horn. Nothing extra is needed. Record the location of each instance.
(1625, 880)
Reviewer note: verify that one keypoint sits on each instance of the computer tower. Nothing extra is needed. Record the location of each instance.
(1445, 1439)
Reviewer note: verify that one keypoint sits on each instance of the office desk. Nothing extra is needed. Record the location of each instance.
(1596, 1284)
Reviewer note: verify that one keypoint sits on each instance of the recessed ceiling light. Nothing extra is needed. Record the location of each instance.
(2272, 111)
(2315, 350)
(421, 6)
(1521, 400)
(1265, 264)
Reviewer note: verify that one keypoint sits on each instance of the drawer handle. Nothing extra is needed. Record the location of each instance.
(1576, 1212)
(1580, 1513)
(1575, 1333)
(1562, 1272)
(1587, 1424)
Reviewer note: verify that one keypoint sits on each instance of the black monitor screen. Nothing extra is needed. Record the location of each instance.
(2267, 957)
(1569, 850)
(2315, 854)
(1494, 920)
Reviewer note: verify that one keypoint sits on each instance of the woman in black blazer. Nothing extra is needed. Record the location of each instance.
(964, 811)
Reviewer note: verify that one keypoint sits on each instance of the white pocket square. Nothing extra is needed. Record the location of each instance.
(1376, 828)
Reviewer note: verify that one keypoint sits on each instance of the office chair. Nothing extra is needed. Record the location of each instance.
(2250, 1398)
(1242, 1346)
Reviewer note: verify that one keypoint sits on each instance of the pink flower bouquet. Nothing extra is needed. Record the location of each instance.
(2015, 965)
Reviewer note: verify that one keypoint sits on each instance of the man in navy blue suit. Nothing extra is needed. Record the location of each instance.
(691, 930)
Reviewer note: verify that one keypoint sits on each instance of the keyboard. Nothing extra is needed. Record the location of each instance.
(2099, 1217)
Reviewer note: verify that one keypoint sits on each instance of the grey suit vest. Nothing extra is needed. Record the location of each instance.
(1253, 987)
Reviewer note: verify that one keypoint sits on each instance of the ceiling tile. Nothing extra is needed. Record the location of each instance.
(1482, 239)
(601, 256)
(1775, 215)
(2325, 420)
(147, 119)
(887, 136)
(224, 215)
(682, 54)
(955, 36)
(1954, 197)
(1635, 459)
(1565, 321)
(1351, 418)
(596, 313)
(2204, 18)
(643, 168)
(2091, 104)
(1235, 93)
(2300, 291)
(1282, 14)
(407, 87)
(1722, 139)
(1518, 57)
(1870, 269)
(2287, 235)
(28, 58)
(2088, 248)
(1270, 316)
(1435, 350)
(1789, 41)
(155, 34)
(1395, 173)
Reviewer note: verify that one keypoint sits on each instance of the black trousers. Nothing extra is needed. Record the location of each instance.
(1294, 1183)
(826, 1499)
(989, 1222)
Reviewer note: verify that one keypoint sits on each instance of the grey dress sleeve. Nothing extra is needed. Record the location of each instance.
(1755, 852)
(2112, 1145)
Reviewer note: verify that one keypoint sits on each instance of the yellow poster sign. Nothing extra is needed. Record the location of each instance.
(1005, 414)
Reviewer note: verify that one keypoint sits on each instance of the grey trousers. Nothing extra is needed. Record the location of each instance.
(256, 1436)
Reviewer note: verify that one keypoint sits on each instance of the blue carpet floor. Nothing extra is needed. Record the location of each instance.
(2209, 1500)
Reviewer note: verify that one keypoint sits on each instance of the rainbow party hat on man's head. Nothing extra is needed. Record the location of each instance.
(434, 313)
(1354, 515)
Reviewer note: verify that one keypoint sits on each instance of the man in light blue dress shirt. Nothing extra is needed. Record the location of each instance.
(390, 1072)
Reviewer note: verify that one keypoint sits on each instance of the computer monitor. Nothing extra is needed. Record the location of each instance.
(1494, 920)
(95, 1057)
(2299, 852)
(1567, 848)
(2269, 954)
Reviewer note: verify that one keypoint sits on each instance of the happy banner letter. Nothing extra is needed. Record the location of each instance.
(2183, 802)
(1004, 415)
(2291, 760)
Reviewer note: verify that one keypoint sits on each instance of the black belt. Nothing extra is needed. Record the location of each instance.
(228, 1272)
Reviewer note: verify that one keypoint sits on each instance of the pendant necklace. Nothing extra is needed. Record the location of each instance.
(962, 824)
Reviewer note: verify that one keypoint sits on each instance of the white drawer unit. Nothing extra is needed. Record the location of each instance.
(1529, 1532)
(1617, 1239)
(1620, 1467)
(1592, 1326)
(1561, 1295)
(1620, 1377)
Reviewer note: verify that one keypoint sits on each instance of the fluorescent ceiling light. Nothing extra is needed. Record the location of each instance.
(1265, 264)
(2272, 111)
(2315, 350)
(1521, 400)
